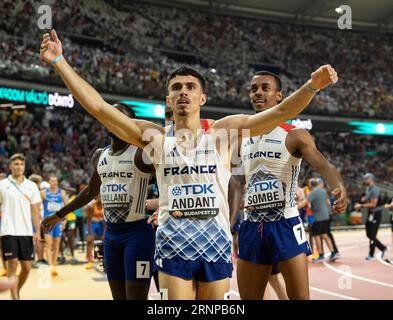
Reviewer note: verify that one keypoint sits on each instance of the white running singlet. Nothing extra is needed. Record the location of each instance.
(194, 212)
(271, 176)
(123, 186)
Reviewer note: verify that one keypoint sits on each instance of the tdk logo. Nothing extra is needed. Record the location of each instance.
(114, 188)
(264, 186)
(192, 189)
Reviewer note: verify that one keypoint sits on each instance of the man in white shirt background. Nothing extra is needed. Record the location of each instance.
(20, 206)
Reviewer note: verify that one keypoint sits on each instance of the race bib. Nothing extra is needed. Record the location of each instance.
(193, 201)
(54, 206)
(300, 234)
(116, 195)
(265, 195)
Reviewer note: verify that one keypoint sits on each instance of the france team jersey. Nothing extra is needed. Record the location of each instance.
(129, 239)
(272, 230)
(193, 215)
(123, 186)
(271, 176)
(53, 202)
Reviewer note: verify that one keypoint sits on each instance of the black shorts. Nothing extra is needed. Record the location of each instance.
(17, 247)
(320, 227)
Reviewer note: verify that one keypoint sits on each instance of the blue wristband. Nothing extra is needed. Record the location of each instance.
(57, 59)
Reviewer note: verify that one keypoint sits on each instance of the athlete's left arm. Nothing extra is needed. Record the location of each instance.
(291, 106)
(90, 211)
(304, 146)
(235, 195)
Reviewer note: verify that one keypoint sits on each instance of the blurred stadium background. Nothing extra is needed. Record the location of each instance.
(125, 49)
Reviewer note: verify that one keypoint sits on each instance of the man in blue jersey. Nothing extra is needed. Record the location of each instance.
(53, 199)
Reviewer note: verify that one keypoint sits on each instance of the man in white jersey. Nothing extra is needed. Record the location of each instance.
(273, 231)
(121, 177)
(192, 171)
(20, 205)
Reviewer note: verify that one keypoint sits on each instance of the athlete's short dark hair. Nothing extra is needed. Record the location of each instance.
(275, 76)
(130, 111)
(186, 71)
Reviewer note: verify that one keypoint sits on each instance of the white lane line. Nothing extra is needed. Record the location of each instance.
(234, 293)
(333, 293)
(315, 289)
(357, 277)
(379, 258)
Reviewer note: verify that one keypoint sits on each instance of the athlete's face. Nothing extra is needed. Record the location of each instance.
(185, 95)
(264, 93)
(53, 182)
(17, 168)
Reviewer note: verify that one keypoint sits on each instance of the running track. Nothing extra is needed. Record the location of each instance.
(350, 277)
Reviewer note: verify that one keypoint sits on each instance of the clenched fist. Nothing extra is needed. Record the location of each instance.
(323, 77)
(50, 49)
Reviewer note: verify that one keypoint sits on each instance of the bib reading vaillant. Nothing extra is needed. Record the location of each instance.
(193, 201)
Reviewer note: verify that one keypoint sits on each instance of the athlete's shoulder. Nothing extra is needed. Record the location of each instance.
(96, 156)
(300, 134)
(4, 182)
(98, 152)
(287, 127)
(30, 184)
(210, 122)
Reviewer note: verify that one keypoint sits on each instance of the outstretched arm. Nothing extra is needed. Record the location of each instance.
(125, 128)
(83, 198)
(87, 194)
(290, 107)
(305, 146)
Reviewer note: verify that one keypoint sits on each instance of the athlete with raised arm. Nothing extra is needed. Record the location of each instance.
(192, 169)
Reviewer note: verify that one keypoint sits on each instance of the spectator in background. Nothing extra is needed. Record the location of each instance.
(371, 201)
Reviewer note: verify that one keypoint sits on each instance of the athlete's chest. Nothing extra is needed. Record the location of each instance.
(268, 148)
(117, 167)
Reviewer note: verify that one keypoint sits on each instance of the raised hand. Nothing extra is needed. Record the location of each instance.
(340, 205)
(49, 222)
(323, 77)
(50, 49)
